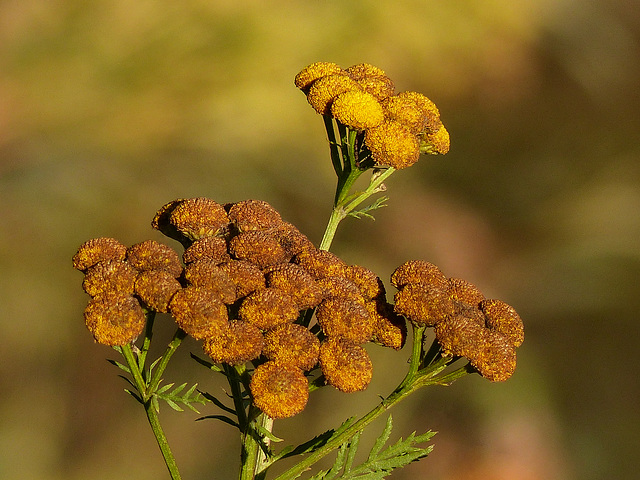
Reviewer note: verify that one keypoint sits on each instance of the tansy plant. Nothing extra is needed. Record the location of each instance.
(280, 317)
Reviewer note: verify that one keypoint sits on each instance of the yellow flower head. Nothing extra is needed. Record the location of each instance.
(345, 318)
(405, 110)
(253, 215)
(369, 284)
(357, 109)
(279, 390)
(206, 273)
(426, 106)
(152, 255)
(114, 318)
(324, 90)
(268, 308)
(199, 312)
(155, 288)
(292, 344)
(292, 240)
(238, 343)
(96, 250)
(372, 79)
(297, 282)
(313, 72)
(340, 287)
(437, 143)
(345, 366)
(392, 145)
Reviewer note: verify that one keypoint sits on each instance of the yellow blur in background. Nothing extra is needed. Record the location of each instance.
(110, 109)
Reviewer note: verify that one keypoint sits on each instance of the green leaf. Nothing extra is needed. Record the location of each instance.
(222, 418)
(119, 365)
(208, 364)
(176, 397)
(217, 402)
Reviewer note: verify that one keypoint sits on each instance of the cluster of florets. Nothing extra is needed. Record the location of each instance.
(466, 324)
(243, 284)
(396, 128)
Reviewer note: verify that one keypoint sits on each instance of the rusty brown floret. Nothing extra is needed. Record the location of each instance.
(237, 343)
(278, 389)
(345, 366)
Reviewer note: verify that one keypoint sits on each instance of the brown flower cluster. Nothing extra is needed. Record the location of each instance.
(397, 127)
(466, 324)
(241, 286)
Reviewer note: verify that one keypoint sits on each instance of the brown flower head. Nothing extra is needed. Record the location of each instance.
(114, 318)
(279, 390)
(294, 280)
(268, 308)
(258, 247)
(253, 215)
(237, 343)
(463, 291)
(206, 273)
(345, 366)
(213, 248)
(496, 360)
(109, 276)
(340, 287)
(344, 318)
(419, 271)
(423, 304)
(390, 329)
(292, 344)
(198, 217)
(313, 72)
(155, 288)
(97, 250)
(292, 240)
(461, 336)
(320, 263)
(369, 283)
(503, 318)
(246, 276)
(152, 255)
(199, 312)
(392, 145)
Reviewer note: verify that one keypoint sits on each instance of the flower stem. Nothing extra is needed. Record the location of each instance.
(169, 459)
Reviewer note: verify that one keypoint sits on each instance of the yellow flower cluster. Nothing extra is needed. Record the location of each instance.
(486, 332)
(397, 127)
(241, 285)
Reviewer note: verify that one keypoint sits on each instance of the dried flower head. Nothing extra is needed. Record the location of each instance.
(292, 240)
(97, 250)
(320, 263)
(152, 255)
(437, 143)
(279, 390)
(419, 271)
(503, 318)
(199, 312)
(253, 215)
(156, 288)
(213, 248)
(268, 308)
(357, 109)
(198, 217)
(345, 366)
(246, 276)
(206, 273)
(297, 282)
(390, 329)
(292, 344)
(313, 72)
(258, 247)
(109, 276)
(464, 291)
(392, 145)
(423, 304)
(496, 360)
(368, 282)
(345, 318)
(237, 343)
(325, 89)
(461, 336)
(340, 287)
(114, 319)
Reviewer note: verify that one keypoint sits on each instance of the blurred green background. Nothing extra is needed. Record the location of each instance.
(109, 109)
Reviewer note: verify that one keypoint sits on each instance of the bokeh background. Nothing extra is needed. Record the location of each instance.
(110, 109)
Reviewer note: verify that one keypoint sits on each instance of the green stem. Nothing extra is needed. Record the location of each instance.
(164, 361)
(169, 459)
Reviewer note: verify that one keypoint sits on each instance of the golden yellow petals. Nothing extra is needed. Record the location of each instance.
(357, 109)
